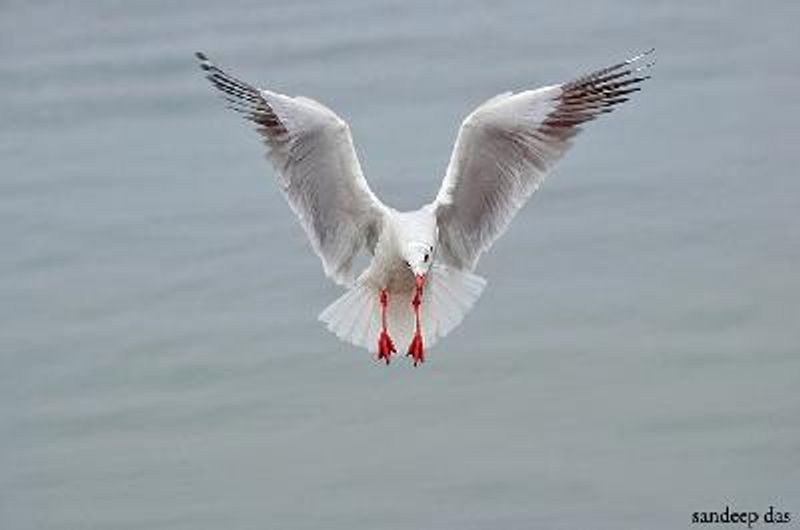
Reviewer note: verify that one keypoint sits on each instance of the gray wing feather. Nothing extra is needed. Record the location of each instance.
(506, 147)
(317, 168)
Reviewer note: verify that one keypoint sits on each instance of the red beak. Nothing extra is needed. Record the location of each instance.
(420, 281)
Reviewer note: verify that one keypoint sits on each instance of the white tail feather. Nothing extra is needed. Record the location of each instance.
(355, 316)
(449, 294)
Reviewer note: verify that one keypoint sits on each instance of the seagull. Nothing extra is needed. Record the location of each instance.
(420, 282)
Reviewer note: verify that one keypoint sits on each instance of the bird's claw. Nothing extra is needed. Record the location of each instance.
(416, 350)
(385, 347)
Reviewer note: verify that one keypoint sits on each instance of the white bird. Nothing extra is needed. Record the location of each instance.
(420, 282)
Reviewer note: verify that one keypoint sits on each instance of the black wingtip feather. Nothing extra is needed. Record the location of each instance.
(244, 99)
(598, 92)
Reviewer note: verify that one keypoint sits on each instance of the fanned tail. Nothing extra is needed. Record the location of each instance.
(449, 294)
(355, 316)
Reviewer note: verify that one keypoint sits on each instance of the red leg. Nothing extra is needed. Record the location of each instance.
(415, 349)
(385, 345)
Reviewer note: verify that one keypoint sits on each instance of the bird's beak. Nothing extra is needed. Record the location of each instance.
(420, 281)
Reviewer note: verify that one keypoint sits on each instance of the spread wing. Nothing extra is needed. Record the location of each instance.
(506, 147)
(317, 167)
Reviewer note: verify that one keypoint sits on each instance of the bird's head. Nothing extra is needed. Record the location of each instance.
(419, 258)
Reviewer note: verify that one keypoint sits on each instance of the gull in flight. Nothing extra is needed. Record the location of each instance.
(420, 282)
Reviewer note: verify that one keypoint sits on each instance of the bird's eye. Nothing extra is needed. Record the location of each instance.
(426, 257)
(408, 264)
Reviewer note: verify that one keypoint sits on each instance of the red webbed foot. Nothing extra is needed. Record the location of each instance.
(416, 350)
(385, 347)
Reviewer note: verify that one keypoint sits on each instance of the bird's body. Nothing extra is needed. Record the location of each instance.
(419, 284)
(388, 267)
(389, 279)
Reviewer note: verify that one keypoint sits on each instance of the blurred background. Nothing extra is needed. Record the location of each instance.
(633, 360)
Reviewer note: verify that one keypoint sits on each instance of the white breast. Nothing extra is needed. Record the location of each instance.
(388, 268)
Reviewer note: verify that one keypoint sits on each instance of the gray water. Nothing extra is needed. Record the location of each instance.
(634, 358)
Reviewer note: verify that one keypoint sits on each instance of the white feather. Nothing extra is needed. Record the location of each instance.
(506, 147)
(449, 295)
(317, 169)
(503, 152)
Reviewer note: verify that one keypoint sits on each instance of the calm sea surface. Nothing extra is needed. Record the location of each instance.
(635, 358)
